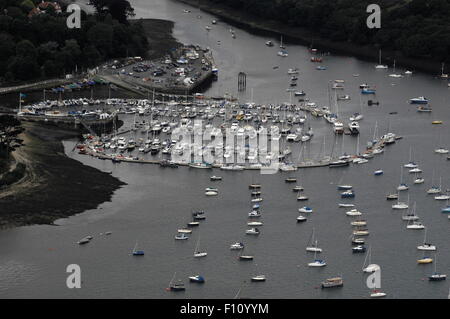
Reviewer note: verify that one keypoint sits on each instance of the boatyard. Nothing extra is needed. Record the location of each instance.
(183, 71)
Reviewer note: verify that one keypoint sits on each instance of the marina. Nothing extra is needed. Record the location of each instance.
(360, 205)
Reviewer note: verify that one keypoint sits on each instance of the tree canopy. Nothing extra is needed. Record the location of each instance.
(415, 28)
(120, 10)
(41, 45)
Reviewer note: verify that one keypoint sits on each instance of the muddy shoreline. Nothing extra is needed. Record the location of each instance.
(55, 186)
(305, 37)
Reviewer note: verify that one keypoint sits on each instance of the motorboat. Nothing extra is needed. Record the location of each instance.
(333, 282)
(393, 196)
(185, 231)
(353, 212)
(425, 260)
(237, 246)
(348, 194)
(197, 279)
(437, 277)
(419, 100)
(357, 223)
(342, 205)
(361, 232)
(358, 241)
(254, 223)
(305, 210)
(354, 127)
(254, 214)
(252, 231)
(359, 249)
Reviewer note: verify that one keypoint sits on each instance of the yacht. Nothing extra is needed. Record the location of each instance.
(441, 150)
(415, 225)
(197, 252)
(425, 260)
(317, 262)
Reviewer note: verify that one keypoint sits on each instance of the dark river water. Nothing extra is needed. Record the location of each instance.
(156, 202)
